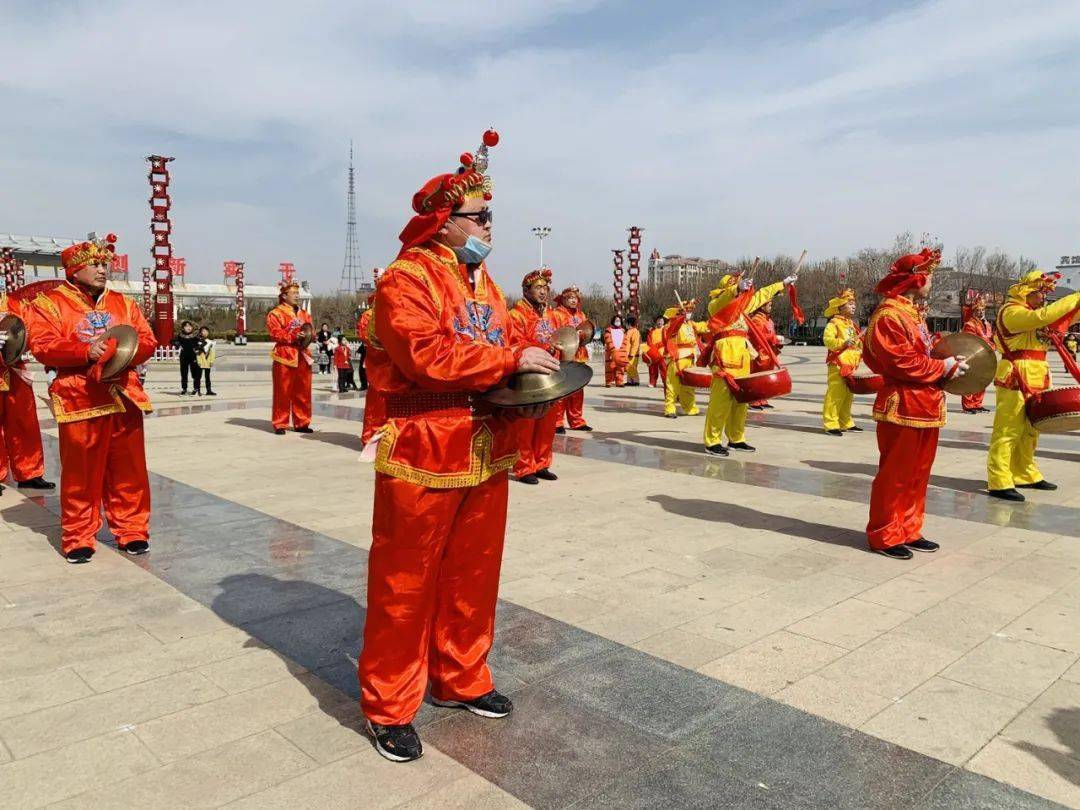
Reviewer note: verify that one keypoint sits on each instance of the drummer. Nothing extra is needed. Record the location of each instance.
(102, 452)
(1021, 331)
(535, 322)
(843, 341)
(291, 371)
(729, 354)
(680, 337)
(20, 434)
(974, 320)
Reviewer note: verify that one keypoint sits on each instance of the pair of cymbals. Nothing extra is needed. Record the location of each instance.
(127, 343)
(533, 388)
(981, 360)
(16, 338)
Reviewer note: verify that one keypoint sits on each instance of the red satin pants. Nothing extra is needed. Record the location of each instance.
(103, 462)
(433, 581)
(898, 495)
(20, 434)
(535, 438)
(572, 408)
(655, 374)
(292, 394)
(971, 402)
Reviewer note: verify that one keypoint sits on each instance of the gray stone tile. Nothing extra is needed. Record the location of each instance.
(324, 639)
(551, 751)
(533, 647)
(963, 790)
(826, 764)
(650, 694)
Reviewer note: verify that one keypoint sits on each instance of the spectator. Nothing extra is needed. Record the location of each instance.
(205, 356)
(322, 337)
(1072, 343)
(188, 341)
(343, 363)
(361, 356)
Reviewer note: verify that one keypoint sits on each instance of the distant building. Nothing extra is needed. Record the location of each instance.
(1069, 267)
(683, 272)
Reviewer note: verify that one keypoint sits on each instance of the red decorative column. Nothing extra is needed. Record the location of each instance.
(617, 272)
(634, 286)
(7, 265)
(161, 229)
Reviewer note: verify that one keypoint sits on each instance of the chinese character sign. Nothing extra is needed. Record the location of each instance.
(287, 270)
(177, 265)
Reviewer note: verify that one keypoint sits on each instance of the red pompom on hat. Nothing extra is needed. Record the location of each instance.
(92, 251)
(440, 195)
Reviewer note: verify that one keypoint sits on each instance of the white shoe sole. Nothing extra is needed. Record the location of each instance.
(457, 704)
(389, 754)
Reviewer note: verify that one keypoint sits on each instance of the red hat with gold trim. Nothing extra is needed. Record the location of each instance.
(92, 251)
(284, 287)
(571, 290)
(909, 272)
(537, 278)
(440, 195)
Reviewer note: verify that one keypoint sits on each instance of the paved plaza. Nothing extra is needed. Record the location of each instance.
(676, 630)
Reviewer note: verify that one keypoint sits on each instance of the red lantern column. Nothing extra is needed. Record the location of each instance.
(161, 229)
(635, 269)
(147, 294)
(241, 311)
(7, 264)
(617, 272)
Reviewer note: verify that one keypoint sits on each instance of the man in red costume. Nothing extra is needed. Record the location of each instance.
(535, 322)
(975, 323)
(20, 434)
(572, 409)
(292, 364)
(441, 465)
(909, 409)
(102, 452)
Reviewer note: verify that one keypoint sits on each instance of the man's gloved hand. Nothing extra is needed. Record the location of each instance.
(745, 284)
(790, 280)
(955, 367)
(3, 337)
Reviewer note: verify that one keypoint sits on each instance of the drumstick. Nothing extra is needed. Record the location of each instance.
(798, 264)
(753, 268)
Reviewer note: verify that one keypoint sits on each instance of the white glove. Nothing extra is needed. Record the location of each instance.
(790, 280)
(745, 284)
(3, 337)
(957, 363)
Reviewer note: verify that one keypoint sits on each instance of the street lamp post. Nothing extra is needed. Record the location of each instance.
(541, 232)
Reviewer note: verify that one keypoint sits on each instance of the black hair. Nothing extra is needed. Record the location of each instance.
(631, 320)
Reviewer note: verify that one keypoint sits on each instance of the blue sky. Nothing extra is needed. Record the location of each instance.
(723, 128)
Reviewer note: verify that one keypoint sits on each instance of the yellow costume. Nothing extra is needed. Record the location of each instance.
(685, 349)
(1011, 459)
(731, 356)
(843, 341)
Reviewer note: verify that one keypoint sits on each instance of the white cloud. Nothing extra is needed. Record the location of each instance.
(952, 116)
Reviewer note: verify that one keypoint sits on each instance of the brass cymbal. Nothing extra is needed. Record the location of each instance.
(981, 360)
(127, 343)
(531, 388)
(566, 340)
(16, 338)
(586, 331)
(307, 334)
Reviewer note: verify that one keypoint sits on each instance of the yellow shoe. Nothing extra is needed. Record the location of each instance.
(694, 412)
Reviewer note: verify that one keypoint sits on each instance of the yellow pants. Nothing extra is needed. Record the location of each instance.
(836, 412)
(631, 370)
(725, 415)
(677, 391)
(1011, 459)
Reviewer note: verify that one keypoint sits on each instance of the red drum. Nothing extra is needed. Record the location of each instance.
(864, 383)
(696, 377)
(1056, 410)
(769, 384)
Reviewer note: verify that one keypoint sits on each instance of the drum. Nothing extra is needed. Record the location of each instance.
(769, 384)
(981, 360)
(864, 383)
(696, 377)
(1056, 410)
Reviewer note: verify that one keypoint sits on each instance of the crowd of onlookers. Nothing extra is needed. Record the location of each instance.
(197, 355)
(333, 350)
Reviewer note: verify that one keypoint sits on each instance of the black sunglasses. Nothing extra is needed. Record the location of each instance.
(480, 217)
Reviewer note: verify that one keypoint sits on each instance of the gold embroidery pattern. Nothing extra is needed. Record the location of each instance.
(481, 465)
(416, 270)
(46, 305)
(892, 416)
(282, 360)
(115, 392)
(5, 380)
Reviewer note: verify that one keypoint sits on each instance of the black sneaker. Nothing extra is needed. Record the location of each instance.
(528, 479)
(900, 552)
(757, 407)
(491, 705)
(79, 556)
(136, 547)
(211, 394)
(1010, 494)
(560, 430)
(304, 429)
(716, 450)
(1044, 484)
(922, 544)
(768, 407)
(40, 483)
(855, 428)
(671, 415)
(396, 743)
(279, 431)
(584, 428)
(972, 410)
(746, 448)
(835, 432)
(546, 475)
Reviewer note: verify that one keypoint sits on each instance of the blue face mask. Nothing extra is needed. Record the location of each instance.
(473, 251)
